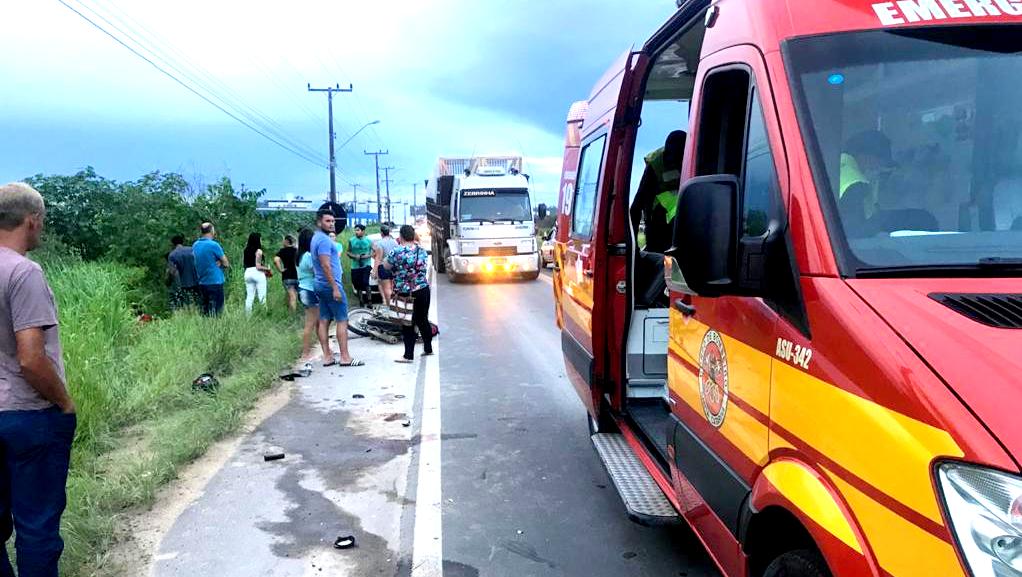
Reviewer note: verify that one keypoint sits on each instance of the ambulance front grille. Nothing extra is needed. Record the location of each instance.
(995, 310)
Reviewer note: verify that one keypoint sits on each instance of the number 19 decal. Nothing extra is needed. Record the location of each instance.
(794, 354)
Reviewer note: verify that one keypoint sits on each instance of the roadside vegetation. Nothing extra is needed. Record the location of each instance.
(139, 420)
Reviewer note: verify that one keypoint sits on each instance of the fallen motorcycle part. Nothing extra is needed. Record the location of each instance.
(345, 542)
(206, 383)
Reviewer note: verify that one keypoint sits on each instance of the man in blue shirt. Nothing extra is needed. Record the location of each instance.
(210, 262)
(333, 304)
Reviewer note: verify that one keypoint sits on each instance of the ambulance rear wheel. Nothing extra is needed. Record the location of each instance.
(799, 563)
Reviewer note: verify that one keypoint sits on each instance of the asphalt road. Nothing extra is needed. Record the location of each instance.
(473, 462)
(524, 491)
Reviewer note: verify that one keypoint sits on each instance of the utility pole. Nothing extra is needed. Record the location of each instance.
(415, 189)
(379, 216)
(386, 171)
(354, 198)
(330, 114)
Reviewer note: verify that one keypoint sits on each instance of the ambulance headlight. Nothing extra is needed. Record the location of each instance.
(526, 246)
(985, 510)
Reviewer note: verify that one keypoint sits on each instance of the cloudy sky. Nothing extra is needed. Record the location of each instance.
(443, 77)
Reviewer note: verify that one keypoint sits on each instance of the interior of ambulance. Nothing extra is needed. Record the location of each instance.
(655, 181)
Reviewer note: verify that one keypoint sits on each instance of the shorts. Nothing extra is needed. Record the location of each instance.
(383, 274)
(290, 283)
(330, 309)
(308, 298)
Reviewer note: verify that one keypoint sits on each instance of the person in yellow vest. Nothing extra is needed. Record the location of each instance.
(656, 201)
(865, 163)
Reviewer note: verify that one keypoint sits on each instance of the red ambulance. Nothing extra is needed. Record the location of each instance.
(788, 254)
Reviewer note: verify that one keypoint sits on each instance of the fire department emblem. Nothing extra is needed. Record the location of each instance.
(713, 389)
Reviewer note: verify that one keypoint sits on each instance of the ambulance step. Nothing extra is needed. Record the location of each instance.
(645, 502)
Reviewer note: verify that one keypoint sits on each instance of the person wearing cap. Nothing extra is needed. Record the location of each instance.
(864, 163)
(360, 251)
(381, 250)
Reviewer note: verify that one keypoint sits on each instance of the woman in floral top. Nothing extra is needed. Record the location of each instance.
(410, 264)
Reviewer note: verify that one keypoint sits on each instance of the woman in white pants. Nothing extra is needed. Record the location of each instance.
(255, 272)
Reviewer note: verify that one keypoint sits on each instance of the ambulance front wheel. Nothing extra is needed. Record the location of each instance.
(799, 563)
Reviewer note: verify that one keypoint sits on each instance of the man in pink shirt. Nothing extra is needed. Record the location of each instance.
(37, 416)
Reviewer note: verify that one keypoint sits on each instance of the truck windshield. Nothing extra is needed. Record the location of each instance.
(914, 137)
(495, 205)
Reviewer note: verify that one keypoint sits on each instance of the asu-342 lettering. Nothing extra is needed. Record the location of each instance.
(794, 354)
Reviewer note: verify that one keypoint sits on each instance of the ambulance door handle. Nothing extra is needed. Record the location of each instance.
(685, 308)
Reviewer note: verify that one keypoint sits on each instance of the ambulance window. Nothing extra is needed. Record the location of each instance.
(914, 141)
(586, 187)
(759, 186)
(725, 99)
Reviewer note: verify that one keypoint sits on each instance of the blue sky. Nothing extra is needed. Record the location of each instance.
(444, 77)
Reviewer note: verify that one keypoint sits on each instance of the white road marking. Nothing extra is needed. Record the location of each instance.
(427, 540)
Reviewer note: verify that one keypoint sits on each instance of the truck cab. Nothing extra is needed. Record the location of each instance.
(482, 219)
(789, 283)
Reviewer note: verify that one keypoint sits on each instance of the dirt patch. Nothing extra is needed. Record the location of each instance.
(140, 532)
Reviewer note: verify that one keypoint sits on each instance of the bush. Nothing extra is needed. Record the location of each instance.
(138, 417)
(131, 223)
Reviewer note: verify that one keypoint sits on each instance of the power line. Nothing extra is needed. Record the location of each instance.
(186, 86)
(150, 42)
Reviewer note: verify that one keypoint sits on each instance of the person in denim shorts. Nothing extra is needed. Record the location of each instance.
(307, 291)
(333, 304)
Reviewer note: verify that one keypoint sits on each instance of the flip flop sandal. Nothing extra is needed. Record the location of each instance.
(353, 363)
(330, 364)
(404, 361)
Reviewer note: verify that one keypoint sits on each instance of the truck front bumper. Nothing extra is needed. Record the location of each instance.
(495, 265)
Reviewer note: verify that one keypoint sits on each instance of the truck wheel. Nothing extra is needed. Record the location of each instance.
(798, 563)
(532, 275)
(440, 264)
(449, 267)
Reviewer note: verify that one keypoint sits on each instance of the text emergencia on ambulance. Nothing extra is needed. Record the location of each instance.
(908, 11)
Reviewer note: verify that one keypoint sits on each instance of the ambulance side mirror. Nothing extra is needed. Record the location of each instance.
(541, 211)
(706, 236)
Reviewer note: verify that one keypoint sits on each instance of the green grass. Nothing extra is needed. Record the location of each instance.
(139, 419)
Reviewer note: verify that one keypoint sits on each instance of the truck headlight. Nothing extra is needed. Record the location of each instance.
(985, 509)
(526, 246)
(468, 248)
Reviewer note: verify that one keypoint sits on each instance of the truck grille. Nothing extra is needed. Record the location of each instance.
(995, 310)
(498, 251)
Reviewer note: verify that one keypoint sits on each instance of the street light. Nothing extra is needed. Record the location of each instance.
(367, 125)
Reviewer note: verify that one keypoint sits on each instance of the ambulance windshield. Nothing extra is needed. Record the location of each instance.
(915, 136)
